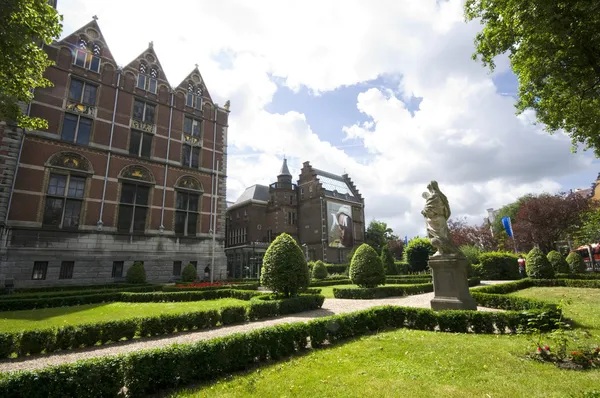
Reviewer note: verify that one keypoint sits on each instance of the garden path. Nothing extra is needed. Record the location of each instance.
(330, 307)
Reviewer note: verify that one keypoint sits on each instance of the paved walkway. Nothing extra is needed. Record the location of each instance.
(330, 307)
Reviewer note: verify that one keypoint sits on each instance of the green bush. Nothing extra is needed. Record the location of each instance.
(136, 273)
(366, 269)
(284, 268)
(236, 286)
(498, 266)
(319, 270)
(337, 268)
(417, 253)
(189, 273)
(332, 282)
(558, 262)
(387, 258)
(388, 291)
(538, 266)
(472, 253)
(576, 263)
(402, 267)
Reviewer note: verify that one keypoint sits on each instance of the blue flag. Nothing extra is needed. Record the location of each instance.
(405, 240)
(507, 226)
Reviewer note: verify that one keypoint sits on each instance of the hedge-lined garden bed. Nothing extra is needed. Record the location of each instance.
(67, 288)
(71, 293)
(150, 371)
(193, 287)
(388, 291)
(86, 335)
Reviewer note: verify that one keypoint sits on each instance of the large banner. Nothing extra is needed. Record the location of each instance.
(339, 225)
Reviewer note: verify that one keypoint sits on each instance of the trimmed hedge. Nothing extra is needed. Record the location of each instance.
(65, 288)
(44, 295)
(387, 291)
(331, 282)
(578, 276)
(402, 267)
(239, 286)
(33, 342)
(395, 280)
(498, 266)
(366, 268)
(150, 371)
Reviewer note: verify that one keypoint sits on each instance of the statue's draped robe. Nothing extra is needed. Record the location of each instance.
(437, 212)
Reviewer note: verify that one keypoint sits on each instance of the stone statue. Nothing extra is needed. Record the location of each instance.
(437, 213)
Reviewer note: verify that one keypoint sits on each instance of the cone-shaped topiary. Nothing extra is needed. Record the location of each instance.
(189, 274)
(576, 263)
(284, 268)
(387, 258)
(366, 268)
(319, 270)
(538, 266)
(136, 273)
(558, 262)
(417, 253)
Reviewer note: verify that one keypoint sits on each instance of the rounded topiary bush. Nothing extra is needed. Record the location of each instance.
(576, 263)
(284, 268)
(136, 273)
(189, 273)
(538, 266)
(366, 268)
(417, 253)
(387, 258)
(498, 266)
(319, 270)
(558, 262)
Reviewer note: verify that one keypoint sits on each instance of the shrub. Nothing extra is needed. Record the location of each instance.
(558, 262)
(189, 273)
(538, 266)
(576, 263)
(417, 253)
(319, 270)
(402, 267)
(498, 266)
(387, 258)
(136, 273)
(472, 253)
(337, 269)
(284, 268)
(366, 269)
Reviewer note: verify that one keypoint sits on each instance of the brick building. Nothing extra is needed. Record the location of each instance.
(324, 212)
(129, 169)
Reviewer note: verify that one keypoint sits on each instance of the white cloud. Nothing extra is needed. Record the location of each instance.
(465, 134)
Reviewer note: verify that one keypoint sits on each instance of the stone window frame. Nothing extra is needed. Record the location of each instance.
(66, 163)
(193, 142)
(194, 96)
(147, 78)
(138, 175)
(79, 117)
(190, 185)
(42, 270)
(82, 50)
(86, 83)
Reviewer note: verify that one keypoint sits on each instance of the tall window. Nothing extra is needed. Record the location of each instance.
(194, 97)
(190, 156)
(88, 59)
(76, 129)
(186, 213)
(133, 208)
(140, 144)
(39, 270)
(143, 111)
(66, 270)
(147, 81)
(82, 92)
(176, 268)
(117, 269)
(64, 198)
(192, 132)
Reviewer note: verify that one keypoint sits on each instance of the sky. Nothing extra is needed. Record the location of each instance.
(385, 91)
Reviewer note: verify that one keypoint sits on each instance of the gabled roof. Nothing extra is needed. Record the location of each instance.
(144, 55)
(92, 31)
(196, 77)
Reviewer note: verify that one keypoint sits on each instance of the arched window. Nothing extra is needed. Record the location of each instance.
(86, 58)
(65, 190)
(188, 192)
(194, 96)
(147, 78)
(134, 203)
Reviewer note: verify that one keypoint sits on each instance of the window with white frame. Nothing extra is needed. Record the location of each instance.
(82, 92)
(85, 58)
(64, 201)
(193, 98)
(147, 80)
(76, 128)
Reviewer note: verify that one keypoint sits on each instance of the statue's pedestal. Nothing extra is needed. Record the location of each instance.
(450, 284)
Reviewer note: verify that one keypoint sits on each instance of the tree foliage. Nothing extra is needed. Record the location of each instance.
(463, 234)
(366, 269)
(558, 262)
(319, 270)
(136, 273)
(417, 253)
(576, 263)
(24, 26)
(588, 229)
(397, 248)
(554, 49)
(387, 258)
(284, 268)
(189, 273)
(378, 234)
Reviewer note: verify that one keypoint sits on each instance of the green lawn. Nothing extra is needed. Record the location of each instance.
(412, 363)
(327, 291)
(49, 317)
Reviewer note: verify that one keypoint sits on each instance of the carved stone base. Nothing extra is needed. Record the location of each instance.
(450, 284)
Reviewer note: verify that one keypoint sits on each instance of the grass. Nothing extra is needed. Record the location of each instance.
(423, 364)
(327, 291)
(55, 317)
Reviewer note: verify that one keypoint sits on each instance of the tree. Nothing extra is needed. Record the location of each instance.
(545, 219)
(554, 50)
(24, 25)
(510, 210)
(417, 253)
(397, 248)
(538, 266)
(366, 269)
(576, 263)
(463, 234)
(378, 234)
(588, 229)
(136, 273)
(558, 262)
(189, 273)
(387, 258)
(284, 268)
(319, 270)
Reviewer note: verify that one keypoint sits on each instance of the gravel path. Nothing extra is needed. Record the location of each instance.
(330, 307)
